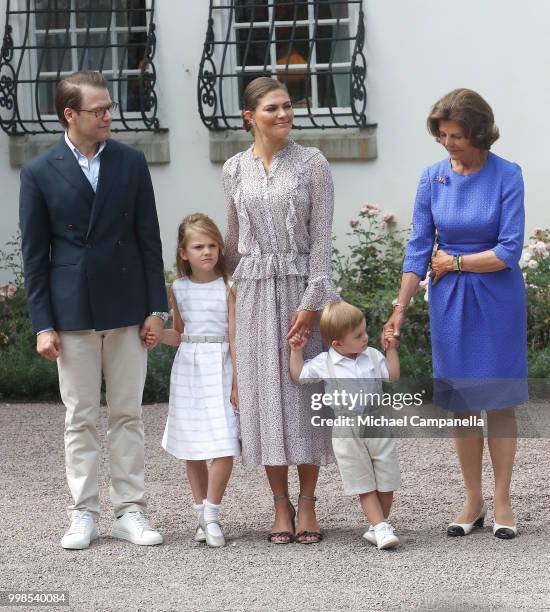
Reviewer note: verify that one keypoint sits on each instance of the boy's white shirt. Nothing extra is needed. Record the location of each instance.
(364, 366)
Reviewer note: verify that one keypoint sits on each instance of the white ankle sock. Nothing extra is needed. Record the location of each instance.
(212, 513)
(199, 510)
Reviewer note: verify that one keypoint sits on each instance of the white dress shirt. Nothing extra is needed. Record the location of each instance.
(90, 167)
(315, 370)
(356, 377)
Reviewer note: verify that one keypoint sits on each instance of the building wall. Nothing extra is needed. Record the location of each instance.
(416, 52)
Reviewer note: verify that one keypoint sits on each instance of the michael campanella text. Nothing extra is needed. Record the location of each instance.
(382, 421)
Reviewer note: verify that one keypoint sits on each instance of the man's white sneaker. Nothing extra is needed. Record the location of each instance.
(134, 527)
(385, 536)
(81, 532)
(369, 535)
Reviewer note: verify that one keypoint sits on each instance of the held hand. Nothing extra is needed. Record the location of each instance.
(298, 342)
(392, 326)
(48, 344)
(153, 327)
(302, 323)
(391, 341)
(152, 340)
(442, 263)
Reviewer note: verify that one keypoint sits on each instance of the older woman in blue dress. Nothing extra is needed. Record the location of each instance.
(477, 297)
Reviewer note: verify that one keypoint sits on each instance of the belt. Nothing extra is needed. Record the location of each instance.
(215, 339)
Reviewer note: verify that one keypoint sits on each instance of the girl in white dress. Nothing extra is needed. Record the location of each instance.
(202, 423)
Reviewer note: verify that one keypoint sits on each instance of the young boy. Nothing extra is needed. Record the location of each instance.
(369, 467)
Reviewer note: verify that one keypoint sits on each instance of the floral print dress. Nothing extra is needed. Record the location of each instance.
(278, 248)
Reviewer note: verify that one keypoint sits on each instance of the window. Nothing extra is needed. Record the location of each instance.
(314, 46)
(46, 40)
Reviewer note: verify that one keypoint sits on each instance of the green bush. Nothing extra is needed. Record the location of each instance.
(368, 276)
(24, 374)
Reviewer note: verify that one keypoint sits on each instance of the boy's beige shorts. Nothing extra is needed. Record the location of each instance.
(367, 464)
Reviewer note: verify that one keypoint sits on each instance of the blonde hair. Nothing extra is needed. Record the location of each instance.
(338, 319)
(201, 224)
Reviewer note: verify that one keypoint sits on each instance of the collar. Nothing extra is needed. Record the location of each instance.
(75, 150)
(336, 357)
(279, 153)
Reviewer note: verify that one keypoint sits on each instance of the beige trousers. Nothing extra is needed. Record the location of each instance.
(119, 354)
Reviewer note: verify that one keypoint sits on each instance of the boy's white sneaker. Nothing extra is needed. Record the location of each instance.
(385, 536)
(134, 527)
(81, 532)
(369, 535)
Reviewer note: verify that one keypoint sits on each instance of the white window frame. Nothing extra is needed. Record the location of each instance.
(230, 90)
(31, 70)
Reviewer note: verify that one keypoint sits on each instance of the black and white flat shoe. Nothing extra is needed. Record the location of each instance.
(505, 532)
(462, 529)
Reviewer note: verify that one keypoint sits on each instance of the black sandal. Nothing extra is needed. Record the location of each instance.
(289, 535)
(305, 534)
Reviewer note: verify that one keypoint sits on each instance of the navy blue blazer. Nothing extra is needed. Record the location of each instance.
(91, 260)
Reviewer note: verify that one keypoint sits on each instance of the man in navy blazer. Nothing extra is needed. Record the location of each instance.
(95, 286)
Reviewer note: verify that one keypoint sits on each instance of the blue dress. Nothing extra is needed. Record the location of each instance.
(478, 321)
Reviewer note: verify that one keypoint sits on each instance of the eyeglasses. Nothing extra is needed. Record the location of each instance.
(101, 112)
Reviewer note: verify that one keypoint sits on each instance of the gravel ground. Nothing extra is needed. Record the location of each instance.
(428, 572)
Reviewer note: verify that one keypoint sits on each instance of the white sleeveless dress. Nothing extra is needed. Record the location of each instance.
(201, 422)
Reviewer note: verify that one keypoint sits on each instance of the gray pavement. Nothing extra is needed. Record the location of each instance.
(428, 572)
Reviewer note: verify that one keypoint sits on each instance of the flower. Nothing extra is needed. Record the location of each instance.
(339, 289)
(387, 217)
(532, 263)
(369, 209)
(526, 256)
(7, 291)
(540, 249)
(354, 222)
(537, 231)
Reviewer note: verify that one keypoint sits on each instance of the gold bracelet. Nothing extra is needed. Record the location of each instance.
(457, 263)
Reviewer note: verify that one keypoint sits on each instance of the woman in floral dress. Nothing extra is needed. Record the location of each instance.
(279, 199)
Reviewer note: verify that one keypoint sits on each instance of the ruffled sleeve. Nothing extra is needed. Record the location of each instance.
(512, 219)
(419, 248)
(320, 290)
(231, 241)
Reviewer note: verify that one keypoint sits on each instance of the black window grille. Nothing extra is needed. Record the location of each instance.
(45, 40)
(314, 46)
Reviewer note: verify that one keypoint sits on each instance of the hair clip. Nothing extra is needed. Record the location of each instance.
(444, 180)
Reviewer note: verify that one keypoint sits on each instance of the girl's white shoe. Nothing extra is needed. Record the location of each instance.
(199, 536)
(462, 529)
(213, 534)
